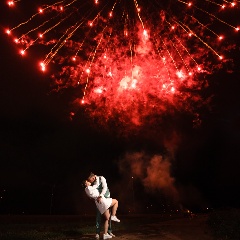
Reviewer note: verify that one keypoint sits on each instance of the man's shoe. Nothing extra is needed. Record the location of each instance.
(111, 234)
(106, 236)
(115, 219)
(97, 236)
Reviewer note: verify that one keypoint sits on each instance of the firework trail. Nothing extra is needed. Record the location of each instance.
(130, 59)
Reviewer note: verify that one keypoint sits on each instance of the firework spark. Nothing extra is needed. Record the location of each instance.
(130, 59)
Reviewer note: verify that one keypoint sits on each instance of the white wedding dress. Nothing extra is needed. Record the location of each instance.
(104, 204)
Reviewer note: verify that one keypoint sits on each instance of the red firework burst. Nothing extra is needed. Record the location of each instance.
(130, 59)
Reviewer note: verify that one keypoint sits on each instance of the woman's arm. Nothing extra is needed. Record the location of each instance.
(88, 192)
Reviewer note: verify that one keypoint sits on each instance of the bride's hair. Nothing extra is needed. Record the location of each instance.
(84, 183)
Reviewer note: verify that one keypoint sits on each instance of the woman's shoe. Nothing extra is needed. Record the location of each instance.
(106, 236)
(115, 219)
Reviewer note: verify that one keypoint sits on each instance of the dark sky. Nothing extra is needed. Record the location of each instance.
(42, 152)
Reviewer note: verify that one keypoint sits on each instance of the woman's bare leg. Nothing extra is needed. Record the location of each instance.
(107, 216)
(114, 206)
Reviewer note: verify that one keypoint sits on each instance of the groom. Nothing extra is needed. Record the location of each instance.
(102, 187)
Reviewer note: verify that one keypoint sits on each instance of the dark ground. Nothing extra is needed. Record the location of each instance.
(133, 227)
(176, 229)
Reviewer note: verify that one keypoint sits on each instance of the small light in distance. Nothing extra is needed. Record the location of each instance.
(99, 91)
(10, 3)
(8, 32)
(22, 52)
(43, 66)
(179, 74)
(145, 33)
(220, 37)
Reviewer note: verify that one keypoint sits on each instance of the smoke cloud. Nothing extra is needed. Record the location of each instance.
(154, 172)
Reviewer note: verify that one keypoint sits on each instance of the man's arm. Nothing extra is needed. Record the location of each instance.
(104, 186)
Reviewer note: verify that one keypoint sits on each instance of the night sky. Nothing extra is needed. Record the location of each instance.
(45, 155)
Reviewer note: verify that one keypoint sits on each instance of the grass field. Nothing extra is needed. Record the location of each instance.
(21, 227)
(218, 225)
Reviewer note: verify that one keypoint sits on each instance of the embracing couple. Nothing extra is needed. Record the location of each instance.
(96, 188)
